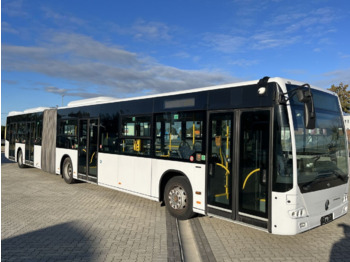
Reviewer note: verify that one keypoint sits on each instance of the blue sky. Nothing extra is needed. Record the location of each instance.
(81, 49)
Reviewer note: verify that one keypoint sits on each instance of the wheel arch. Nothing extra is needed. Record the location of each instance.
(167, 175)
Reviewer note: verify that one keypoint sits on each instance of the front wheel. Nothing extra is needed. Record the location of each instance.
(67, 171)
(20, 159)
(178, 198)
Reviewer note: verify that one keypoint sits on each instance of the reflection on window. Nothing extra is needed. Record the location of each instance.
(180, 135)
(21, 133)
(321, 152)
(137, 126)
(109, 134)
(136, 132)
(67, 134)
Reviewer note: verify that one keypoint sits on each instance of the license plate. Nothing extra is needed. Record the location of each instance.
(326, 219)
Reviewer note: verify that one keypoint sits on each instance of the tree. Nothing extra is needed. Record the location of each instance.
(344, 96)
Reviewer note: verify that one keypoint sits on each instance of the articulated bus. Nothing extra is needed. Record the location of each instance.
(271, 154)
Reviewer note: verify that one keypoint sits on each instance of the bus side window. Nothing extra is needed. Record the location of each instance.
(67, 136)
(136, 135)
(180, 135)
(109, 139)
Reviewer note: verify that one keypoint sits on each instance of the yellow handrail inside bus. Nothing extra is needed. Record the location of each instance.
(170, 147)
(169, 143)
(227, 173)
(193, 134)
(225, 167)
(227, 140)
(246, 179)
(92, 157)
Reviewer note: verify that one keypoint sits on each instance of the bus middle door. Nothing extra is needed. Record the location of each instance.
(88, 149)
(220, 144)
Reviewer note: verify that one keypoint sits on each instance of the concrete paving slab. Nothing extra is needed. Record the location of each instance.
(44, 219)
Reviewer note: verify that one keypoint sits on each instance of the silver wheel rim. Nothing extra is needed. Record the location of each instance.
(68, 171)
(177, 198)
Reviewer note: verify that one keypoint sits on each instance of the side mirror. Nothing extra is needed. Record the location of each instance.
(305, 97)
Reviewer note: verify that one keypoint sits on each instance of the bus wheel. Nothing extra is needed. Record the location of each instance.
(67, 171)
(178, 198)
(20, 159)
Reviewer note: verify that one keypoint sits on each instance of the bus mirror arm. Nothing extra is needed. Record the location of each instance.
(304, 96)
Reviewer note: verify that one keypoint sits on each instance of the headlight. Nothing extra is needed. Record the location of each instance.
(345, 198)
(298, 213)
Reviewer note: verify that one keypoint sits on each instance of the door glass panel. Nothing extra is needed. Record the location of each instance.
(92, 156)
(82, 146)
(254, 164)
(12, 139)
(220, 162)
(27, 141)
(31, 141)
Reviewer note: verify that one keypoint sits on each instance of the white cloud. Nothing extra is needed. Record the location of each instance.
(244, 62)
(294, 26)
(85, 60)
(150, 30)
(225, 43)
(55, 90)
(338, 76)
(13, 8)
(343, 55)
(7, 28)
(60, 19)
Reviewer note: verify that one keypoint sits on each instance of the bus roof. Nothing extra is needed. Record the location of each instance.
(98, 100)
(104, 99)
(28, 111)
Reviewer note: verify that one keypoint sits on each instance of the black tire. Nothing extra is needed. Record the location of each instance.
(20, 159)
(178, 198)
(67, 171)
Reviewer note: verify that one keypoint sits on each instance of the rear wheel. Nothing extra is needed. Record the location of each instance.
(20, 159)
(67, 171)
(178, 198)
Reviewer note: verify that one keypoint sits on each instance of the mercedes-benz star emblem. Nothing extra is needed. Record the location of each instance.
(326, 204)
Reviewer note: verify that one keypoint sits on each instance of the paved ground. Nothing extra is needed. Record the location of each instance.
(44, 219)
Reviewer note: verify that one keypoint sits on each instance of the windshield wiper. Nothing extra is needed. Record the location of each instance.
(322, 176)
(340, 175)
(317, 179)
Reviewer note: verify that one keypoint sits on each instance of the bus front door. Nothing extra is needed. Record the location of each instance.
(238, 157)
(88, 149)
(253, 166)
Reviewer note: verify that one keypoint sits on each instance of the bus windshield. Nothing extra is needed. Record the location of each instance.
(321, 152)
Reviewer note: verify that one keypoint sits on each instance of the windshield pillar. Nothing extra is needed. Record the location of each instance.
(283, 158)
